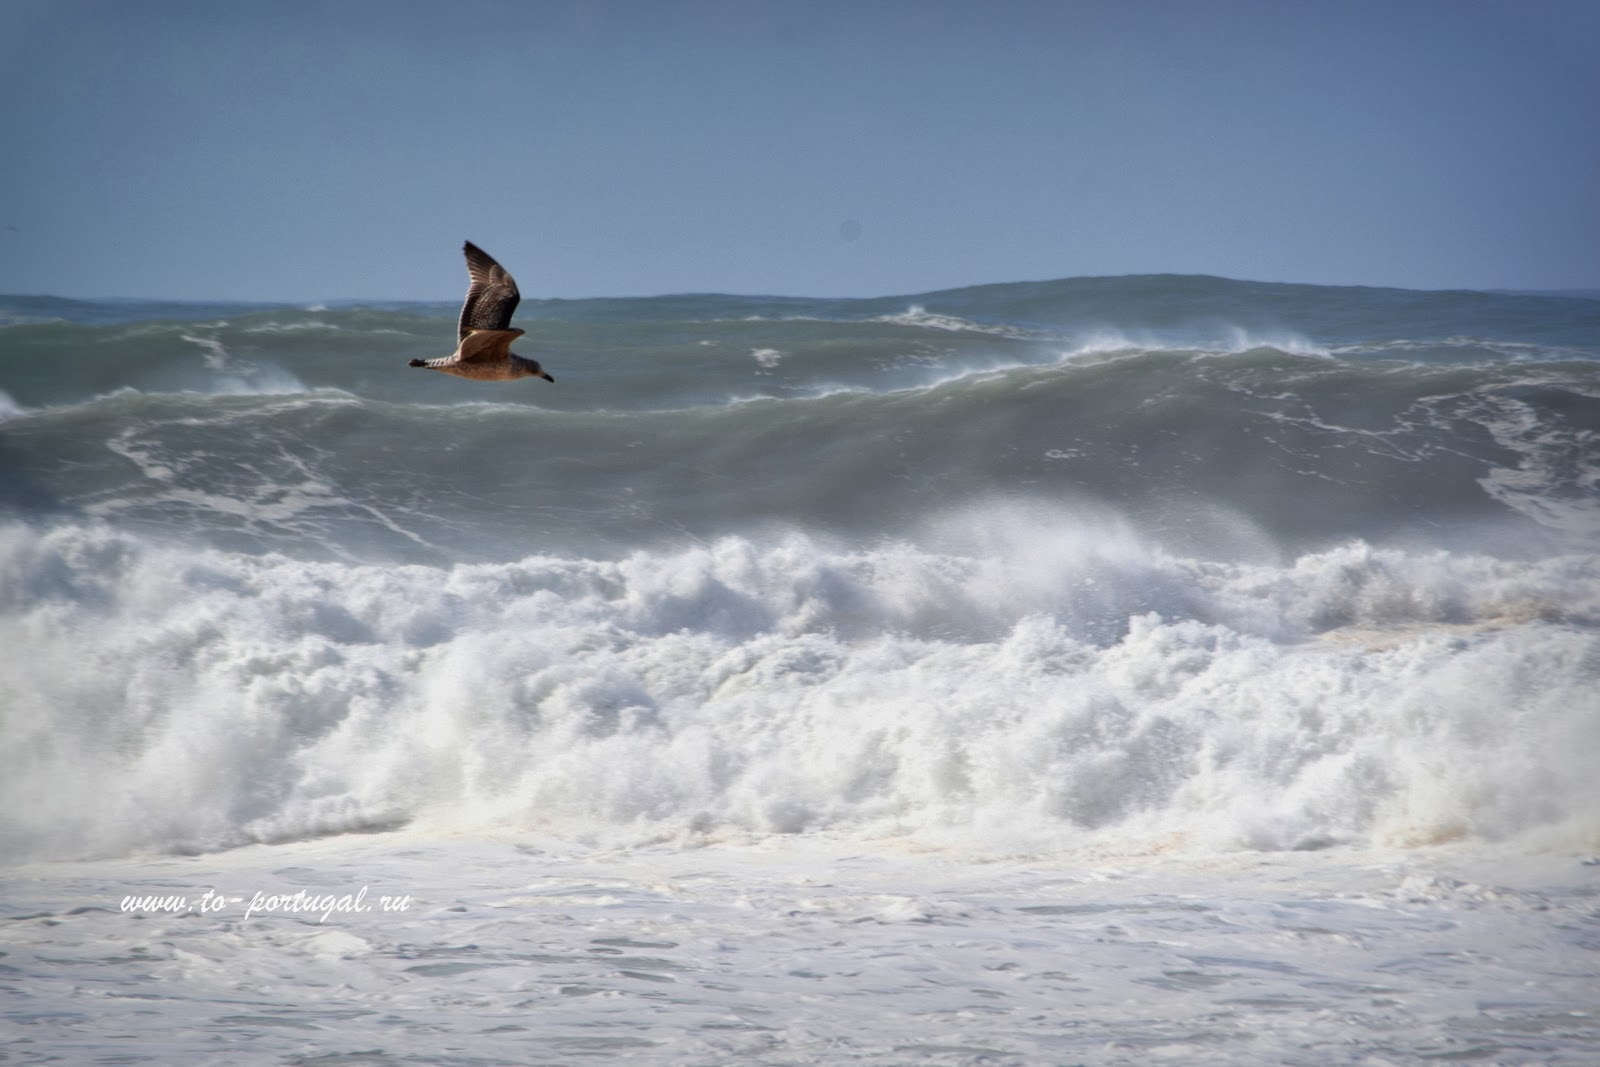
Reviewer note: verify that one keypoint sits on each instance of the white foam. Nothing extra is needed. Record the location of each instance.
(1087, 692)
(289, 496)
(9, 408)
(913, 315)
(1221, 341)
(298, 327)
(917, 315)
(1489, 350)
(240, 377)
(1545, 485)
(792, 951)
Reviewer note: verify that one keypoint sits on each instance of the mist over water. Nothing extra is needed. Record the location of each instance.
(1159, 562)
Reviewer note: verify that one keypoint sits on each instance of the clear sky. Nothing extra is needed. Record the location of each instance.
(297, 150)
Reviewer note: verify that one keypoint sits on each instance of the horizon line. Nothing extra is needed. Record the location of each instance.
(1574, 292)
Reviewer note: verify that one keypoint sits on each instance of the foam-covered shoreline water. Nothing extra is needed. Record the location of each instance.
(528, 949)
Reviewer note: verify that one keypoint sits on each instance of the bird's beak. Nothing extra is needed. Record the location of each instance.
(546, 377)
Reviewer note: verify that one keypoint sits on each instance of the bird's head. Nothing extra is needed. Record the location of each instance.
(530, 367)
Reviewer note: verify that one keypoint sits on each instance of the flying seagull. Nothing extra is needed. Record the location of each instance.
(483, 351)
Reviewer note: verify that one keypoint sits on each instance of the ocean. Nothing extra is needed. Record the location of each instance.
(1101, 671)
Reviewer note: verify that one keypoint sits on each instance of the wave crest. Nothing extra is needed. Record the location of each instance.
(1092, 693)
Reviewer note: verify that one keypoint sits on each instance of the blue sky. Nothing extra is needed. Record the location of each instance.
(298, 150)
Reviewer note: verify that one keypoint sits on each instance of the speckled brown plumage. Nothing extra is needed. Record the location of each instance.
(483, 352)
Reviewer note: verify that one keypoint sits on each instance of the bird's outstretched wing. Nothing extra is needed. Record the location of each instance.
(487, 346)
(491, 298)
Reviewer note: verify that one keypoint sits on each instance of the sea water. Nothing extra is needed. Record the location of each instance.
(1096, 671)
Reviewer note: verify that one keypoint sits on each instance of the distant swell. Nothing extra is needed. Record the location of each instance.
(1215, 455)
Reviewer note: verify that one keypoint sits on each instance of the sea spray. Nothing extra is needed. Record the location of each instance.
(1114, 563)
(1080, 695)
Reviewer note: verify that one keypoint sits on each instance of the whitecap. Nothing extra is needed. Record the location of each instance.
(9, 408)
(917, 315)
(1045, 686)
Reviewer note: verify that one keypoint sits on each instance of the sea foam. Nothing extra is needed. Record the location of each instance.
(1095, 694)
